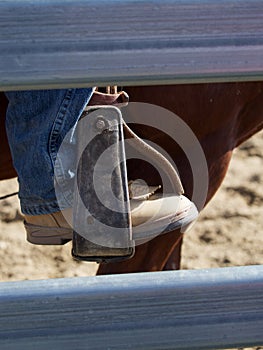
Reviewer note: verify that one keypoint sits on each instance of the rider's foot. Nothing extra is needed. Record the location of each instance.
(152, 216)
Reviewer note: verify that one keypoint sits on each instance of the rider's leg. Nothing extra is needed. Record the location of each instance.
(36, 123)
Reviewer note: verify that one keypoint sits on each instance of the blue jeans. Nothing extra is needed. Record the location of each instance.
(36, 124)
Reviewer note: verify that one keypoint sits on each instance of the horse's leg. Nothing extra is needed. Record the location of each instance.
(217, 174)
(174, 260)
(151, 256)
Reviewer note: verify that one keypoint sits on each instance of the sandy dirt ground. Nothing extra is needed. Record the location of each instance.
(228, 232)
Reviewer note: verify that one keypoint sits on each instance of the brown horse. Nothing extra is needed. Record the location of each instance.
(221, 115)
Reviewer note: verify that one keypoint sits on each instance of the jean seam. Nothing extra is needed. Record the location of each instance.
(58, 122)
(55, 131)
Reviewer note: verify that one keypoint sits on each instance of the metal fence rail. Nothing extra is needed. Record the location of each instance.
(47, 43)
(202, 309)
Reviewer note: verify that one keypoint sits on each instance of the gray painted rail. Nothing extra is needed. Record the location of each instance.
(209, 309)
(55, 43)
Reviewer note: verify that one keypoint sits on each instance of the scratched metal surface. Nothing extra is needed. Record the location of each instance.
(201, 309)
(47, 43)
